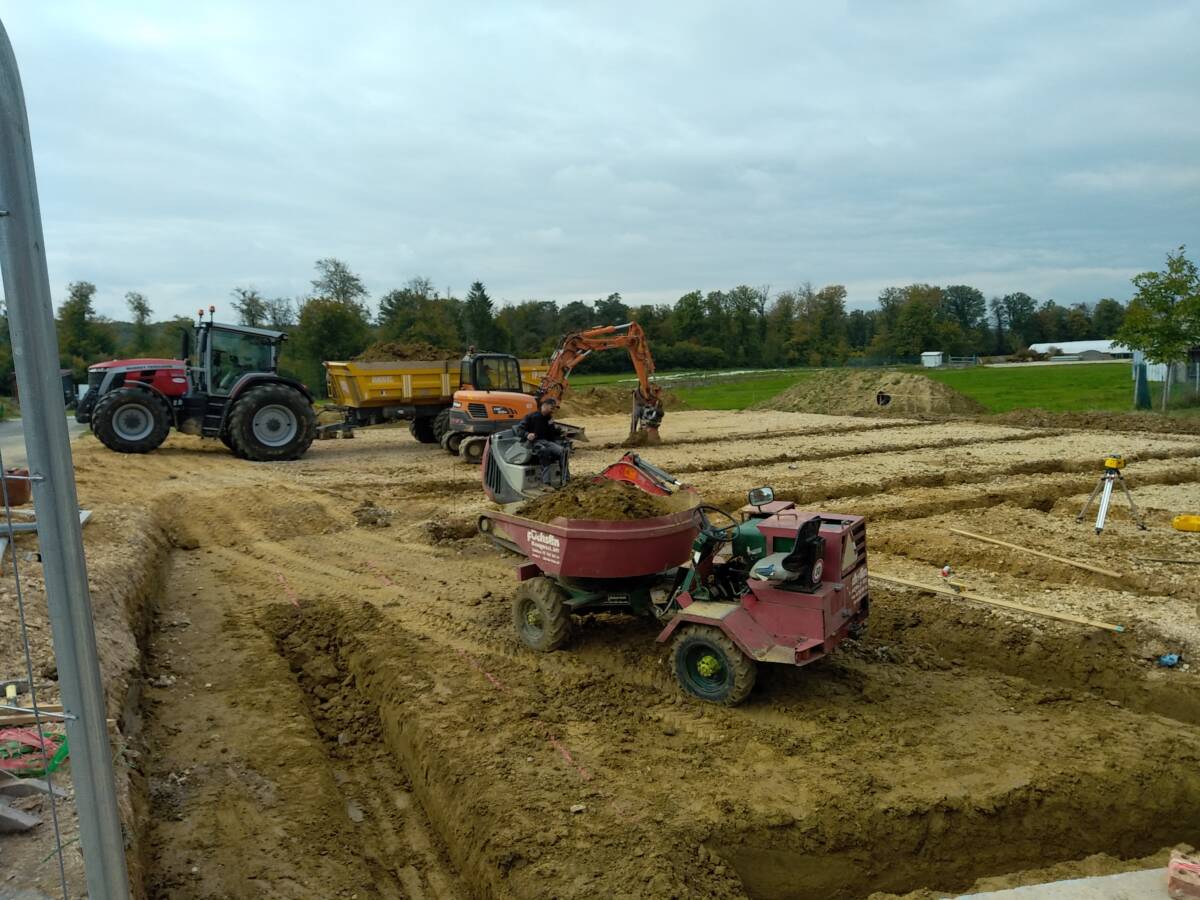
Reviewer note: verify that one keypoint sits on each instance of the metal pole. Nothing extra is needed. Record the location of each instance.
(35, 353)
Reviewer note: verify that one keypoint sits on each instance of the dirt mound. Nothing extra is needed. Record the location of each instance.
(417, 351)
(853, 393)
(1154, 423)
(606, 399)
(613, 501)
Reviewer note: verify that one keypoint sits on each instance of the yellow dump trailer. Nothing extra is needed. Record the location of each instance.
(370, 393)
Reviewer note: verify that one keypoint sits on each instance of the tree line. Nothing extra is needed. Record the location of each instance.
(743, 326)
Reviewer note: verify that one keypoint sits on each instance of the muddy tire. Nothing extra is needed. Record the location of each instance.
(451, 441)
(270, 423)
(422, 430)
(131, 420)
(710, 666)
(472, 450)
(441, 424)
(540, 615)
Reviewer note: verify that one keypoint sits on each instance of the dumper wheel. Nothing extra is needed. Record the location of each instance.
(131, 420)
(710, 666)
(423, 430)
(441, 424)
(540, 616)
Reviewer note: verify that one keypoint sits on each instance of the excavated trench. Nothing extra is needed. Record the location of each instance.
(329, 705)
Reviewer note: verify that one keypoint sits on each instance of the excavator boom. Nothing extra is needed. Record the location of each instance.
(575, 348)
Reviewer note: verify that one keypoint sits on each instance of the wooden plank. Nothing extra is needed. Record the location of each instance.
(1062, 559)
(9, 717)
(1006, 604)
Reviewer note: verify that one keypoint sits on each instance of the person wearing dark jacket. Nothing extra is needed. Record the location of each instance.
(538, 428)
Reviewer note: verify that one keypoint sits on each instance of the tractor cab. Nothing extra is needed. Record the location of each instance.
(224, 354)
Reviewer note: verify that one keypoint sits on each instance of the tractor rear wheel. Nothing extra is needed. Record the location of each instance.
(710, 666)
(540, 615)
(441, 424)
(131, 420)
(271, 422)
(422, 430)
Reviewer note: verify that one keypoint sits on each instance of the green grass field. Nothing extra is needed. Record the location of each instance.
(1102, 386)
(713, 390)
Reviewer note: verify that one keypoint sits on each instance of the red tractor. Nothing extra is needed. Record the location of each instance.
(229, 389)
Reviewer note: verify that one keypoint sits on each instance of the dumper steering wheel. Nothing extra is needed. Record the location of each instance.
(723, 533)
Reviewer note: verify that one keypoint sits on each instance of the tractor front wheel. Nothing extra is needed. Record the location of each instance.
(422, 430)
(710, 666)
(451, 441)
(272, 422)
(540, 615)
(131, 420)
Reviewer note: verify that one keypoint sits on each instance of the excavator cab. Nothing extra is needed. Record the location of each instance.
(490, 372)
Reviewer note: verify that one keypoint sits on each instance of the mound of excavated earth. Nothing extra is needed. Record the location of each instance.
(846, 392)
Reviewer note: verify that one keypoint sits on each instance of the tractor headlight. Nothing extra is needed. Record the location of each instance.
(502, 411)
(457, 404)
(818, 570)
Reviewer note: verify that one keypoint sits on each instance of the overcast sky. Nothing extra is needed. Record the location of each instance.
(568, 150)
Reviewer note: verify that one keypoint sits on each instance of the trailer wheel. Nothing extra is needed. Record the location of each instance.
(271, 422)
(710, 666)
(441, 424)
(422, 430)
(540, 616)
(131, 420)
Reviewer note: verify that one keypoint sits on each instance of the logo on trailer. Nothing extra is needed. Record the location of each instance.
(545, 547)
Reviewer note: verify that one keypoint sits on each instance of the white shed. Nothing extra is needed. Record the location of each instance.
(931, 359)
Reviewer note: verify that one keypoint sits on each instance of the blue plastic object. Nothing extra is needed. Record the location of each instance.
(1169, 660)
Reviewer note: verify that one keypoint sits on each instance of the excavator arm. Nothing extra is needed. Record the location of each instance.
(575, 348)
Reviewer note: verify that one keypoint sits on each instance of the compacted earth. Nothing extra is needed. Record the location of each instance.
(314, 687)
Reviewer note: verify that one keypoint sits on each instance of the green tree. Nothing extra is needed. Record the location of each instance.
(251, 307)
(1020, 311)
(479, 318)
(280, 313)
(328, 329)
(1163, 318)
(83, 337)
(335, 281)
(612, 310)
(965, 305)
(139, 308)
(1107, 317)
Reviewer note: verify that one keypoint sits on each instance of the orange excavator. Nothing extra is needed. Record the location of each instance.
(494, 401)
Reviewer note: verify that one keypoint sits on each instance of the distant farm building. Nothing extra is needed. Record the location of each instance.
(1084, 349)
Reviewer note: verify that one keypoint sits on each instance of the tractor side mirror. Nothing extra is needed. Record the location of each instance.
(760, 496)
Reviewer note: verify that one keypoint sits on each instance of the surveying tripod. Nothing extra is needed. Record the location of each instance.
(1112, 475)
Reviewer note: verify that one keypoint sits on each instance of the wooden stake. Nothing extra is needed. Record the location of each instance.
(1062, 559)
(1007, 604)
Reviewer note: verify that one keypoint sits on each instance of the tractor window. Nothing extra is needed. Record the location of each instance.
(234, 354)
(497, 373)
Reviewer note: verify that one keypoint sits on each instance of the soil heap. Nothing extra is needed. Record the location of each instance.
(416, 351)
(605, 399)
(612, 501)
(841, 392)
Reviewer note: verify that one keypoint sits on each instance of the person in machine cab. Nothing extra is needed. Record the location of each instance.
(547, 438)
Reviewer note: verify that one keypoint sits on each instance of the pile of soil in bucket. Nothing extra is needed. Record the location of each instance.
(613, 501)
(416, 351)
